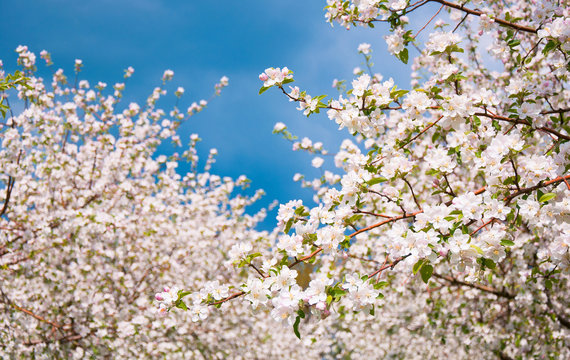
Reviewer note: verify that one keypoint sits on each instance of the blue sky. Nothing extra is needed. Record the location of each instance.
(201, 41)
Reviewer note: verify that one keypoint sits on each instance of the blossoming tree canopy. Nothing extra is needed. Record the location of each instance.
(93, 219)
(444, 230)
(448, 219)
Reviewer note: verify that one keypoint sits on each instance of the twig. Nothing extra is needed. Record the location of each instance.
(479, 13)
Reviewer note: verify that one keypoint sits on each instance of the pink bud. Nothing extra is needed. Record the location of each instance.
(263, 77)
(159, 297)
(166, 289)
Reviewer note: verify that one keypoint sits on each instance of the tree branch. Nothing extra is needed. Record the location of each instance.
(484, 288)
(479, 13)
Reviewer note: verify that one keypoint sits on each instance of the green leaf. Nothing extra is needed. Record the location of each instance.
(550, 45)
(403, 55)
(490, 264)
(254, 255)
(477, 248)
(398, 93)
(418, 266)
(301, 313)
(263, 89)
(296, 327)
(426, 272)
(181, 305)
(288, 226)
(377, 180)
(506, 242)
(380, 285)
(182, 293)
(548, 284)
(546, 197)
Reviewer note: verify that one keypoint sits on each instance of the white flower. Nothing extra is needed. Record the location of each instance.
(279, 127)
(363, 48)
(317, 162)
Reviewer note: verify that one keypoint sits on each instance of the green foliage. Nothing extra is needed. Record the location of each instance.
(11, 81)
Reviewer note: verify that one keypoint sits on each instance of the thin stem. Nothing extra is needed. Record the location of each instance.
(483, 288)
(391, 266)
(479, 13)
(413, 194)
(419, 31)
(421, 132)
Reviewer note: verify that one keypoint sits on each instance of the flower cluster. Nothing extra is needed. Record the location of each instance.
(451, 199)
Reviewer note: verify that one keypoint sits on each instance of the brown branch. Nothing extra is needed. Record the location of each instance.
(37, 317)
(516, 173)
(482, 226)
(306, 257)
(421, 132)
(413, 194)
(72, 337)
(451, 192)
(556, 111)
(419, 31)
(479, 13)
(395, 218)
(391, 266)
(535, 187)
(9, 189)
(363, 259)
(358, 211)
(524, 122)
(232, 296)
(484, 288)
(258, 271)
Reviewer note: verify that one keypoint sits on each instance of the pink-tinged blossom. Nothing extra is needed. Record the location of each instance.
(275, 76)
